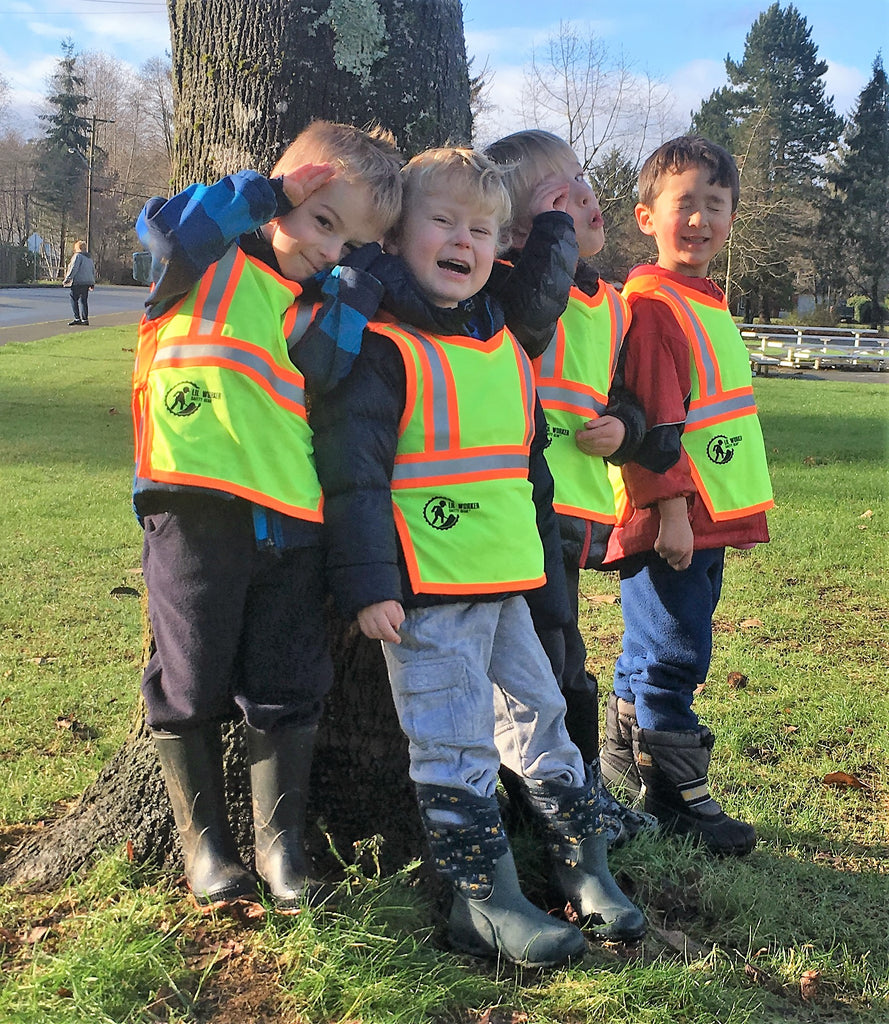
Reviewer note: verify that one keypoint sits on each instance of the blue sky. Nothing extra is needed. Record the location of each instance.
(682, 43)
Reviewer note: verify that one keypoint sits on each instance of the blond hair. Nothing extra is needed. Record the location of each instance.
(80, 246)
(366, 155)
(462, 172)
(527, 158)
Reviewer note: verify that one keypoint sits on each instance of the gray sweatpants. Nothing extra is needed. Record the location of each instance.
(473, 688)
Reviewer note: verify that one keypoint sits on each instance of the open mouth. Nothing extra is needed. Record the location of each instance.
(454, 266)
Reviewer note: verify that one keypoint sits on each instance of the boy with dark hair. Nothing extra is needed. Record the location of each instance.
(699, 483)
(247, 310)
(437, 519)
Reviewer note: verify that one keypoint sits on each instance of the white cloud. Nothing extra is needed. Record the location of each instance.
(844, 83)
(693, 83)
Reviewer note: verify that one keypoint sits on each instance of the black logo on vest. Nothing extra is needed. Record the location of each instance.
(443, 513)
(186, 397)
(721, 449)
(554, 432)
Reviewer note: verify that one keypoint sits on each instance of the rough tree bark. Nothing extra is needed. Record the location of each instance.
(249, 74)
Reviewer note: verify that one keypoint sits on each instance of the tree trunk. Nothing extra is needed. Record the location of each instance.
(248, 75)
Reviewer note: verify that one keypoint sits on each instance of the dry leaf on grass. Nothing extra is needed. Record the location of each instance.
(77, 729)
(749, 623)
(842, 780)
(737, 680)
(809, 985)
(602, 598)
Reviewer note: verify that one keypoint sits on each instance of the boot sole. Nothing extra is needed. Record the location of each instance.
(486, 953)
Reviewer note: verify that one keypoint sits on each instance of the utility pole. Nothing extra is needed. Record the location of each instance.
(89, 178)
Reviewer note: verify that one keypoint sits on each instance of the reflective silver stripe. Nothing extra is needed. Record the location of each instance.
(727, 407)
(304, 314)
(548, 359)
(619, 322)
(707, 364)
(527, 372)
(550, 394)
(208, 320)
(287, 390)
(441, 424)
(459, 464)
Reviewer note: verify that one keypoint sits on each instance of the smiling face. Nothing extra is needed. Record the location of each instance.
(690, 219)
(338, 217)
(448, 243)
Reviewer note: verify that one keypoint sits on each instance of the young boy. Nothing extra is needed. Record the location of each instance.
(226, 487)
(698, 484)
(434, 525)
(589, 416)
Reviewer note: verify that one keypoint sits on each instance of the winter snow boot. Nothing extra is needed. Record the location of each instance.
(616, 756)
(489, 915)
(192, 767)
(673, 768)
(578, 849)
(280, 763)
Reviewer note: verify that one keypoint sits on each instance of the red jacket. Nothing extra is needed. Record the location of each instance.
(657, 370)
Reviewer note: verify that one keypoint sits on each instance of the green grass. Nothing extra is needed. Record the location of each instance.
(804, 618)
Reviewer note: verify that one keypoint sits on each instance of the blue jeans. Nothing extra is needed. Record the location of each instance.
(668, 636)
(473, 687)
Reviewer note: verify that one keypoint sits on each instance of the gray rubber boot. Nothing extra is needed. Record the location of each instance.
(673, 767)
(280, 764)
(490, 916)
(192, 767)
(579, 851)
(618, 764)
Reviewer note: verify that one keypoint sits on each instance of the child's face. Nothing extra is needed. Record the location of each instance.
(583, 208)
(449, 245)
(318, 233)
(690, 220)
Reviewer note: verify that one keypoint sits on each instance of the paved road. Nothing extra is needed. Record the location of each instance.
(27, 314)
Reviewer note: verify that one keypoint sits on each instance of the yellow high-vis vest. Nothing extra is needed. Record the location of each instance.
(573, 377)
(462, 500)
(722, 437)
(217, 402)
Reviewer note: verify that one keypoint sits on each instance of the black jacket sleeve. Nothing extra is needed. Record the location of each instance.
(549, 604)
(534, 291)
(356, 436)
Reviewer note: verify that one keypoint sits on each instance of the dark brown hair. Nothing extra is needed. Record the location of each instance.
(679, 154)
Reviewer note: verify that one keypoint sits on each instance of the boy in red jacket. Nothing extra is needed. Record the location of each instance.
(699, 483)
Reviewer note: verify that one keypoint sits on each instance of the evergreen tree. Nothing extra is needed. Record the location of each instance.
(859, 213)
(62, 160)
(775, 118)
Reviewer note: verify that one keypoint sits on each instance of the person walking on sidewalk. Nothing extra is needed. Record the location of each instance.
(80, 277)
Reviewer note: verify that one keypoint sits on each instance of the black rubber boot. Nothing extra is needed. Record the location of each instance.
(489, 916)
(192, 767)
(673, 767)
(280, 764)
(580, 870)
(616, 756)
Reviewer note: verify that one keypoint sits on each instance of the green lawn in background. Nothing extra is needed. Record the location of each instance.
(803, 620)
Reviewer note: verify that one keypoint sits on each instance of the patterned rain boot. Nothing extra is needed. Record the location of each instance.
(578, 848)
(490, 916)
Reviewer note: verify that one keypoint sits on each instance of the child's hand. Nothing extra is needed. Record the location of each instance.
(300, 183)
(602, 436)
(675, 541)
(550, 194)
(381, 621)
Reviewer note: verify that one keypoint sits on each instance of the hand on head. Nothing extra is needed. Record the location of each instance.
(301, 182)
